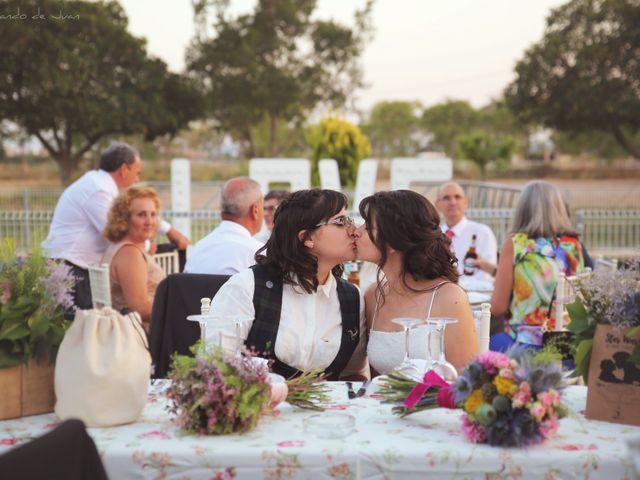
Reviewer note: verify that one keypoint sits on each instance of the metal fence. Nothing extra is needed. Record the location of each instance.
(611, 233)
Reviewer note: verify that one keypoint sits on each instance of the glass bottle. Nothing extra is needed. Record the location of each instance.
(471, 255)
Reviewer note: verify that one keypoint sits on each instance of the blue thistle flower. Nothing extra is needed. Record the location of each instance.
(541, 376)
(514, 428)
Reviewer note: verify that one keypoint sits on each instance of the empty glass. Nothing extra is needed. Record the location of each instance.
(440, 365)
(407, 324)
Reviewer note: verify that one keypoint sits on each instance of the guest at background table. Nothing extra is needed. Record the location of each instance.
(294, 306)
(401, 235)
(134, 275)
(271, 201)
(452, 203)
(231, 247)
(542, 243)
(75, 235)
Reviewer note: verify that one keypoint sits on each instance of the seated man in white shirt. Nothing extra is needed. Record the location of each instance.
(452, 203)
(230, 247)
(80, 216)
(293, 306)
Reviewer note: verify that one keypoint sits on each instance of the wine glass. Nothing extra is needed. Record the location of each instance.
(407, 323)
(445, 369)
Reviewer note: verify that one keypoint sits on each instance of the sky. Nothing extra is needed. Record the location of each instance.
(424, 50)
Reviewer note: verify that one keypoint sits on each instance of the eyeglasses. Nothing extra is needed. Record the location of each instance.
(342, 221)
(270, 209)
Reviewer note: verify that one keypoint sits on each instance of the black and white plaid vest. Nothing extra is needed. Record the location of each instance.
(267, 302)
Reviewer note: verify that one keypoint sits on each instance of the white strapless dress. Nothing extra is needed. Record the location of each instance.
(386, 349)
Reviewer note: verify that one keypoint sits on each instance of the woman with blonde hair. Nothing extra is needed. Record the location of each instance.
(133, 219)
(542, 244)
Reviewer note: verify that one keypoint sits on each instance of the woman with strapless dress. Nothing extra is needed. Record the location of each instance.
(416, 278)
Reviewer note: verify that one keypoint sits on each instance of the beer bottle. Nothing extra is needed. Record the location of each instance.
(469, 267)
(354, 276)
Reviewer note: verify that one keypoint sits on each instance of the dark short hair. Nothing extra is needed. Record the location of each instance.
(117, 154)
(284, 253)
(277, 195)
(409, 223)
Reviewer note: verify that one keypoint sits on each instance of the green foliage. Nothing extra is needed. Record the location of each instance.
(33, 293)
(336, 138)
(71, 82)
(275, 62)
(393, 129)
(482, 148)
(583, 75)
(446, 121)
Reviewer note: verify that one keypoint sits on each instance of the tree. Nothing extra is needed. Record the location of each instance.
(275, 63)
(392, 129)
(336, 138)
(448, 120)
(73, 81)
(584, 75)
(482, 148)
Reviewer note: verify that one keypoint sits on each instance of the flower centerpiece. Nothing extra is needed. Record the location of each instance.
(34, 294)
(606, 322)
(217, 393)
(607, 297)
(509, 400)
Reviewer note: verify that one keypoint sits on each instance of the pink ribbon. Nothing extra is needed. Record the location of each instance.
(430, 379)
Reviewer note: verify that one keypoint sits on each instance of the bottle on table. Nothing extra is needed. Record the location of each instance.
(354, 275)
(471, 255)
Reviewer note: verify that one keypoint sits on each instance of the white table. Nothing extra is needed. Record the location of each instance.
(425, 445)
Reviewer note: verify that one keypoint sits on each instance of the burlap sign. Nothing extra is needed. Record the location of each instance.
(614, 383)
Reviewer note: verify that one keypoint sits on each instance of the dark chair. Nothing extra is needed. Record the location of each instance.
(66, 453)
(178, 296)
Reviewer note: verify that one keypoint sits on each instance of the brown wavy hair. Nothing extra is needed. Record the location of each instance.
(284, 253)
(409, 223)
(120, 212)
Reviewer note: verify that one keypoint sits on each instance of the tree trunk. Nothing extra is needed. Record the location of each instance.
(67, 166)
(625, 142)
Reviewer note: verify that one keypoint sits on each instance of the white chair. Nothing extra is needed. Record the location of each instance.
(169, 262)
(100, 286)
(602, 264)
(329, 174)
(365, 181)
(294, 171)
(407, 170)
(483, 326)
(566, 293)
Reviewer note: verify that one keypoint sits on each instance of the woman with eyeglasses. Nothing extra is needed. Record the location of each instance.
(402, 235)
(293, 305)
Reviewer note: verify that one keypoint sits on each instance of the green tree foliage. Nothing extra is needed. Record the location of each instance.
(72, 81)
(584, 74)
(482, 148)
(393, 129)
(336, 138)
(275, 62)
(445, 121)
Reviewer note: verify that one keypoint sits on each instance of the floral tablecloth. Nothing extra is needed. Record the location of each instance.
(426, 445)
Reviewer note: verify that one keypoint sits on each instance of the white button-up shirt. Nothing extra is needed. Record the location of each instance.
(80, 217)
(228, 249)
(310, 330)
(486, 245)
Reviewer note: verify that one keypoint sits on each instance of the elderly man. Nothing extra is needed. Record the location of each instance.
(452, 203)
(231, 247)
(80, 216)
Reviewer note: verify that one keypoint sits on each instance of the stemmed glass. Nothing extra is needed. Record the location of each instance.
(219, 323)
(441, 365)
(407, 323)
